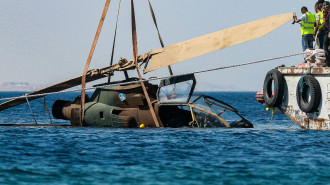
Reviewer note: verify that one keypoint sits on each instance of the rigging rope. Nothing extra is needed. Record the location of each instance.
(154, 79)
(271, 119)
(159, 36)
(291, 124)
(155, 22)
(302, 82)
(27, 100)
(46, 108)
(114, 41)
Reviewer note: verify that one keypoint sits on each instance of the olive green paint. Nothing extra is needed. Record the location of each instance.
(99, 109)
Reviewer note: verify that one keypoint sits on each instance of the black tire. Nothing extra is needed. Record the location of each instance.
(279, 82)
(311, 105)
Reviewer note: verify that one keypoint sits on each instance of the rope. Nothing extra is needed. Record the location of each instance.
(155, 22)
(317, 41)
(159, 36)
(271, 119)
(114, 40)
(301, 84)
(314, 53)
(27, 100)
(46, 108)
(154, 79)
(290, 124)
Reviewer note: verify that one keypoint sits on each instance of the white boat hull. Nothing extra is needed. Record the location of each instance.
(318, 120)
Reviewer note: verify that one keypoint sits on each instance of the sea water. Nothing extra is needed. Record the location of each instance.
(278, 155)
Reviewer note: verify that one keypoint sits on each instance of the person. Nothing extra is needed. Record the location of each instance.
(318, 29)
(320, 3)
(325, 9)
(307, 21)
(326, 43)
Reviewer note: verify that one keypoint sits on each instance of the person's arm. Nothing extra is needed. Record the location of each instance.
(327, 20)
(302, 18)
(322, 26)
(325, 14)
(316, 27)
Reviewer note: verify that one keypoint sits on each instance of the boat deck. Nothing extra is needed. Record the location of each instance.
(304, 68)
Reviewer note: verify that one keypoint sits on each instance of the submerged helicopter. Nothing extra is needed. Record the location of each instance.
(135, 102)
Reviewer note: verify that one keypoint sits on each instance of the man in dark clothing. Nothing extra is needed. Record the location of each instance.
(325, 8)
(327, 39)
(320, 4)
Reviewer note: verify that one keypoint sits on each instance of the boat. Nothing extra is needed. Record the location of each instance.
(260, 98)
(301, 92)
(134, 102)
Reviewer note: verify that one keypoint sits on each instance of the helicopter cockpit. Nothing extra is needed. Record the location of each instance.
(205, 111)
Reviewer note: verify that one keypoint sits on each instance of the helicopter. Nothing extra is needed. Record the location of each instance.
(135, 102)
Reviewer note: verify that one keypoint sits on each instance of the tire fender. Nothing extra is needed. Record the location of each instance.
(273, 100)
(305, 83)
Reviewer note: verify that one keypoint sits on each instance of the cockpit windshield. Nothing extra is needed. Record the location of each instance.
(176, 90)
(205, 111)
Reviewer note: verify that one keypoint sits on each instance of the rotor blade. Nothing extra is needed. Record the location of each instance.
(215, 41)
(92, 75)
(53, 88)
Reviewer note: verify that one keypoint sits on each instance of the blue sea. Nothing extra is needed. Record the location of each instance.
(54, 155)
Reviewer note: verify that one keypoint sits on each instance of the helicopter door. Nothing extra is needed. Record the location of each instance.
(176, 90)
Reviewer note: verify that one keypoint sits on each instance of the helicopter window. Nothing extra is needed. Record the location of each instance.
(207, 120)
(176, 90)
(217, 107)
(175, 93)
(101, 115)
(116, 111)
(225, 113)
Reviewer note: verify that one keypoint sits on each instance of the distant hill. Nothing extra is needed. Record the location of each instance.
(20, 86)
(25, 86)
(202, 86)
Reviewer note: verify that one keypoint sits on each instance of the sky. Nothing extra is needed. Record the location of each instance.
(46, 42)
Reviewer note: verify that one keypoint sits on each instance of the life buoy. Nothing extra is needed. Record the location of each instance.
(273, 99)
(308, 94)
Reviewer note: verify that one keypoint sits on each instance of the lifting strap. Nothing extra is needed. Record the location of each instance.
(83, 79)
(134, 40)
(159, 36)
(114, 42)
